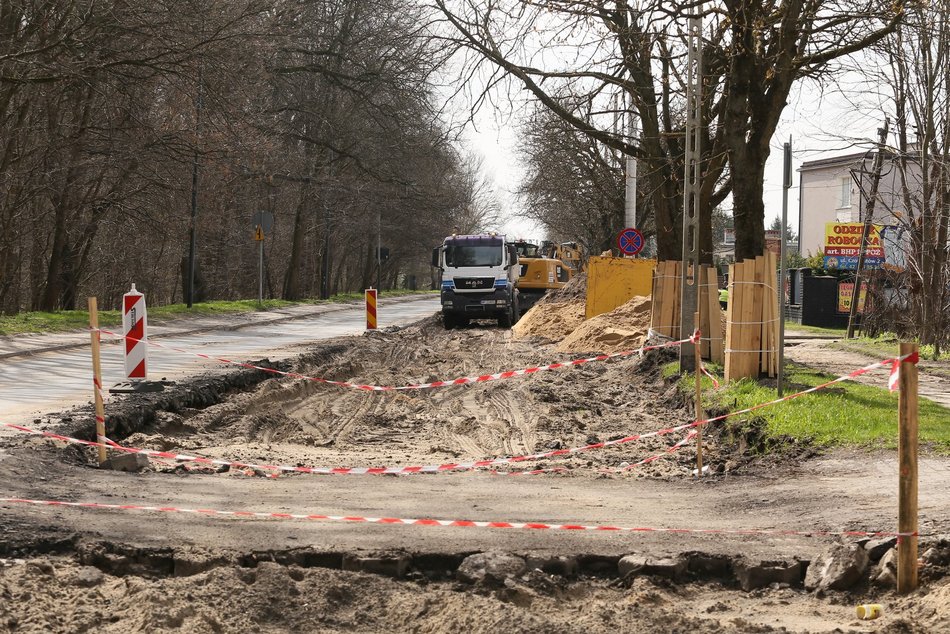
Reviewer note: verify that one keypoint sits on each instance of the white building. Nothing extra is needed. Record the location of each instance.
(829, 192)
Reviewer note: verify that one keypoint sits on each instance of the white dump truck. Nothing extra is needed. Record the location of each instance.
(478, 275)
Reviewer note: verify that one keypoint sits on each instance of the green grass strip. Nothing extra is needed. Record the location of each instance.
(66, 320)
(844, 414)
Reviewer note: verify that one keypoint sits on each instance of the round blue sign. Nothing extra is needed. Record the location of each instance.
(630, 241)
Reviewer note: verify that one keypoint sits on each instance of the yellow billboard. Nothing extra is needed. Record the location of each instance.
(843, 245)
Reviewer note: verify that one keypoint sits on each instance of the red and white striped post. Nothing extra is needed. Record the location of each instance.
(371, 309)
(133, 327)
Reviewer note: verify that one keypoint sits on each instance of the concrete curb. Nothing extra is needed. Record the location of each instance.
(318, 310)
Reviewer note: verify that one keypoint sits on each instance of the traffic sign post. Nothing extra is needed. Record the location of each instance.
(263, 221)
(630, 241)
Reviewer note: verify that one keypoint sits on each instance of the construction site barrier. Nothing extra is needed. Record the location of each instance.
(370, 296)
(394, 521)
(893, 364)
(907, 533)
(464, 380)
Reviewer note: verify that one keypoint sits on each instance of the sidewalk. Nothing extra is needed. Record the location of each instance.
(30, 344)
(817, 351)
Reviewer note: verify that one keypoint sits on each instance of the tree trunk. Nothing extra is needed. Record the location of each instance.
(292, 277)
(748, 206)
(52, 288)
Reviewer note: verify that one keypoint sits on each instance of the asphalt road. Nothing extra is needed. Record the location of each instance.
(40, 374)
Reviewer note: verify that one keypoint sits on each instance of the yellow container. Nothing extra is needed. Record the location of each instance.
(869, 611)
(612, 282)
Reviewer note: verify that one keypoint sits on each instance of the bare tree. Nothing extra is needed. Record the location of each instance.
(917, 76)
(320, 112)
(575, 56)
(575, 184)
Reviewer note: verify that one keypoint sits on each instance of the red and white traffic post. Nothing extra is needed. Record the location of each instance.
(370, 309)
(134, 329)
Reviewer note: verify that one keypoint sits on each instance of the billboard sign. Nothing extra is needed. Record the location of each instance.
(843, 246)
(846, 295)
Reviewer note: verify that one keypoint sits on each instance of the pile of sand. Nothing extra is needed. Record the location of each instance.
(623, 328)
(552, 320)
(562, 320)
(575, 289)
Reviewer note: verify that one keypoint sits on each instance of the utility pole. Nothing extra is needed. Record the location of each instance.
(690, 294)
(630, 199)
(868, 213)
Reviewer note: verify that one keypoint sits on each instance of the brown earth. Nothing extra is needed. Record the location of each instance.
(71, 570)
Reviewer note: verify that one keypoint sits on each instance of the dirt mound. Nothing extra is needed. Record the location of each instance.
(623, 328)
(575, 289)
(554, 320)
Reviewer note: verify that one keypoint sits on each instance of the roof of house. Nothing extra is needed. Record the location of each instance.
(855, 157)
(845, 159)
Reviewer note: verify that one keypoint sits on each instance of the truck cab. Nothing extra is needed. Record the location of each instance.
(478, 274)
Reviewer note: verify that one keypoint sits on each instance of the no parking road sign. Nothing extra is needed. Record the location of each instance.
(630, 241)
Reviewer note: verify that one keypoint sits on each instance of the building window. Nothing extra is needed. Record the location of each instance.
(845, 193)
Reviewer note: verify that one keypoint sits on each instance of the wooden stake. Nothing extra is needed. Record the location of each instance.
(699, 404)
(907, 461)
(97, 378)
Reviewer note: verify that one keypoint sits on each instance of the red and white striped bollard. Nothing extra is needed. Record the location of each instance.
(133, 327)
(371, 309)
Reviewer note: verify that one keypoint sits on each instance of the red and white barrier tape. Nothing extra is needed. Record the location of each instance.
(439, 468)
(893, 381)
(715, 381)
(463, 380)
(672, 449)
(452, 523)
(464, 466)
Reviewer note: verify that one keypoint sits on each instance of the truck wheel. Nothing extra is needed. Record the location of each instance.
(516, 310)
(448, 320)
(505, 320)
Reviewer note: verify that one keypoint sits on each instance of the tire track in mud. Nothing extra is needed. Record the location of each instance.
(520, 436)
(335, 419)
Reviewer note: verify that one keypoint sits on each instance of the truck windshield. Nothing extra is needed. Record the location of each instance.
(527, 250)
(464, 255)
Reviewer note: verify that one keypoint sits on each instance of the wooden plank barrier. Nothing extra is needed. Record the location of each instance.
(711, 320)
(665, 314)
(664, 318)
(752, 319)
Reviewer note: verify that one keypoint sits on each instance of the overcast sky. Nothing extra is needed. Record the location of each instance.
(820, 127)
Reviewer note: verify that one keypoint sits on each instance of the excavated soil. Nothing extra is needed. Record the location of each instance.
(62, 571)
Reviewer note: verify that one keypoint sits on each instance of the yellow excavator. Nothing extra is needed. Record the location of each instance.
(544, 267)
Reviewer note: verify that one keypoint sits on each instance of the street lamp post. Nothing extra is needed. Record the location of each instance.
(192, 230)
